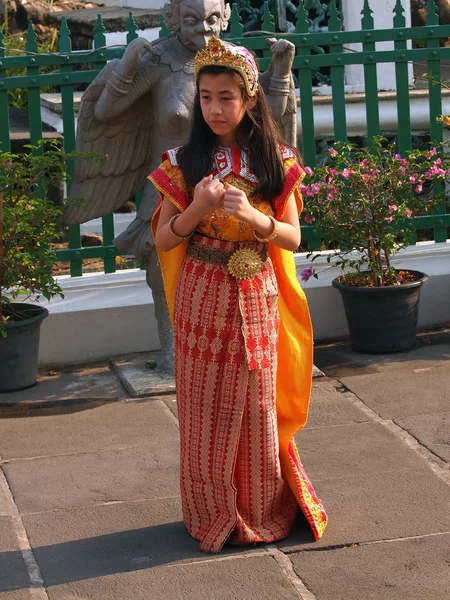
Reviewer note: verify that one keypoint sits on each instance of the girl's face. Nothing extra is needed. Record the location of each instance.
(222, 105)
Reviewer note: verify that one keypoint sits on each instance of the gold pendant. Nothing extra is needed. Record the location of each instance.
(245, 263)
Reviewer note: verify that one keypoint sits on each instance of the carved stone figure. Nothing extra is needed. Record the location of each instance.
(140, 106)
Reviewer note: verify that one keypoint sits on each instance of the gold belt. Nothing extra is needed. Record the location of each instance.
(243, 263)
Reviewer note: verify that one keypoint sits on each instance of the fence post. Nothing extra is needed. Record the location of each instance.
(305, 87)
(337, 76)
(5, 143)
(402, 81)
(370, 74)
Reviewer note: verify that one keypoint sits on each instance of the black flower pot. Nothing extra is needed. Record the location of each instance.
(382, 319)
(19, 349)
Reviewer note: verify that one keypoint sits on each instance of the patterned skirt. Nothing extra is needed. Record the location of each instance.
(226, 337)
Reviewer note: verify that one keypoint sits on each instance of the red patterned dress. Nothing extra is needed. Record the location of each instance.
(236, 341)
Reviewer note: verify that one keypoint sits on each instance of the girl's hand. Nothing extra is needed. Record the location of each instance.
(208, 195)
(236, 203)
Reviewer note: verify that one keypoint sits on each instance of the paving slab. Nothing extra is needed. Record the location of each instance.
(73, 545)
(77, 384)
(330, 407)
(401, 570)
(404, 392)
(431, 430)
(338, 359)
(92, 428)
(13, 571)
(137, 373)
(171, 403)
(148, 470)
(21, 594)
(378, 506)
(355, 450)
(251, 578)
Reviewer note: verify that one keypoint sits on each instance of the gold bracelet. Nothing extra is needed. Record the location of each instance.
(170, 224)
(274, 233)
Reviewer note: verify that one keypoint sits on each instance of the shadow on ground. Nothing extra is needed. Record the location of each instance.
(120, 552)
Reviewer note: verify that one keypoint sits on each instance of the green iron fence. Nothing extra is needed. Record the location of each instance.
(314, 50)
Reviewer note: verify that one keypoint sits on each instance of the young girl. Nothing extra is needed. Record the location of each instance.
(225, 230)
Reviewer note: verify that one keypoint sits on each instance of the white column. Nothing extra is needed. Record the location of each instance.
(383, 16)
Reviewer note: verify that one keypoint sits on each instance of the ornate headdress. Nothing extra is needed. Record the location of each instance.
(221, 54)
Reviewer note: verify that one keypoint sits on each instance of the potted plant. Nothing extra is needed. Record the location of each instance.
(363, 201)
(28, 226)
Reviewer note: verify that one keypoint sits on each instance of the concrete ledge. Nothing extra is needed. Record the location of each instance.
(103, 316)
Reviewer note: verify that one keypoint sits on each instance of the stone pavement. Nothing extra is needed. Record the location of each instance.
(90, 506)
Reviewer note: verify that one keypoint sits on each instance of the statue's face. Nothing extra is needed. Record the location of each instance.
(199, 20)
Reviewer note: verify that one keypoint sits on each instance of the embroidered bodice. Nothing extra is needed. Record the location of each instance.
(230, 165)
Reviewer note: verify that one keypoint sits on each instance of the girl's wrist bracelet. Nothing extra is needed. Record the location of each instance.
(274, 233)
(170, 227)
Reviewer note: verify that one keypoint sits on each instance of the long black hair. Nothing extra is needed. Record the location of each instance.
(257, 133)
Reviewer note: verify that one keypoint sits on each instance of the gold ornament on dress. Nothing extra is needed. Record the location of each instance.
(220, 54)
(245, 263)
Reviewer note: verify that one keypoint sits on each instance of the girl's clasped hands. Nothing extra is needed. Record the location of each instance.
(211, 194)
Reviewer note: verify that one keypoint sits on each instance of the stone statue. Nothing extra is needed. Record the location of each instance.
(138, 107)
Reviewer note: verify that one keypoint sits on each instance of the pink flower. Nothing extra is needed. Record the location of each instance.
(333, 151)
(431, 153)
(408, 212)
(309, 171)
(413, 178)
(307, 274)
(364, 163)
(419, 187)
(315, 189)
(304, 190)
(393, 208)
(389, 219)
(309, 219)
(347, 173)
(402, 160)
(435, 170)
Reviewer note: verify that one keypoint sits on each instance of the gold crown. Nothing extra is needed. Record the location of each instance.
(238, 58)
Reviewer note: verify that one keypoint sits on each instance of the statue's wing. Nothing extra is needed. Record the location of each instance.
(125, 141)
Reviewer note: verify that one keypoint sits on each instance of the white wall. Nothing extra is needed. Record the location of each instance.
(103, 316)
(383, 16)
(142, 3)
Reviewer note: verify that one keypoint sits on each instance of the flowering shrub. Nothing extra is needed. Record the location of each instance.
(364, 199)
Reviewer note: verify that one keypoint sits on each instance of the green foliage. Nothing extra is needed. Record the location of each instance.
(15, 46)
(30, 221)
(365, 199)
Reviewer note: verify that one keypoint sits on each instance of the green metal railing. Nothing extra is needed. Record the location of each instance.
(307, 61)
